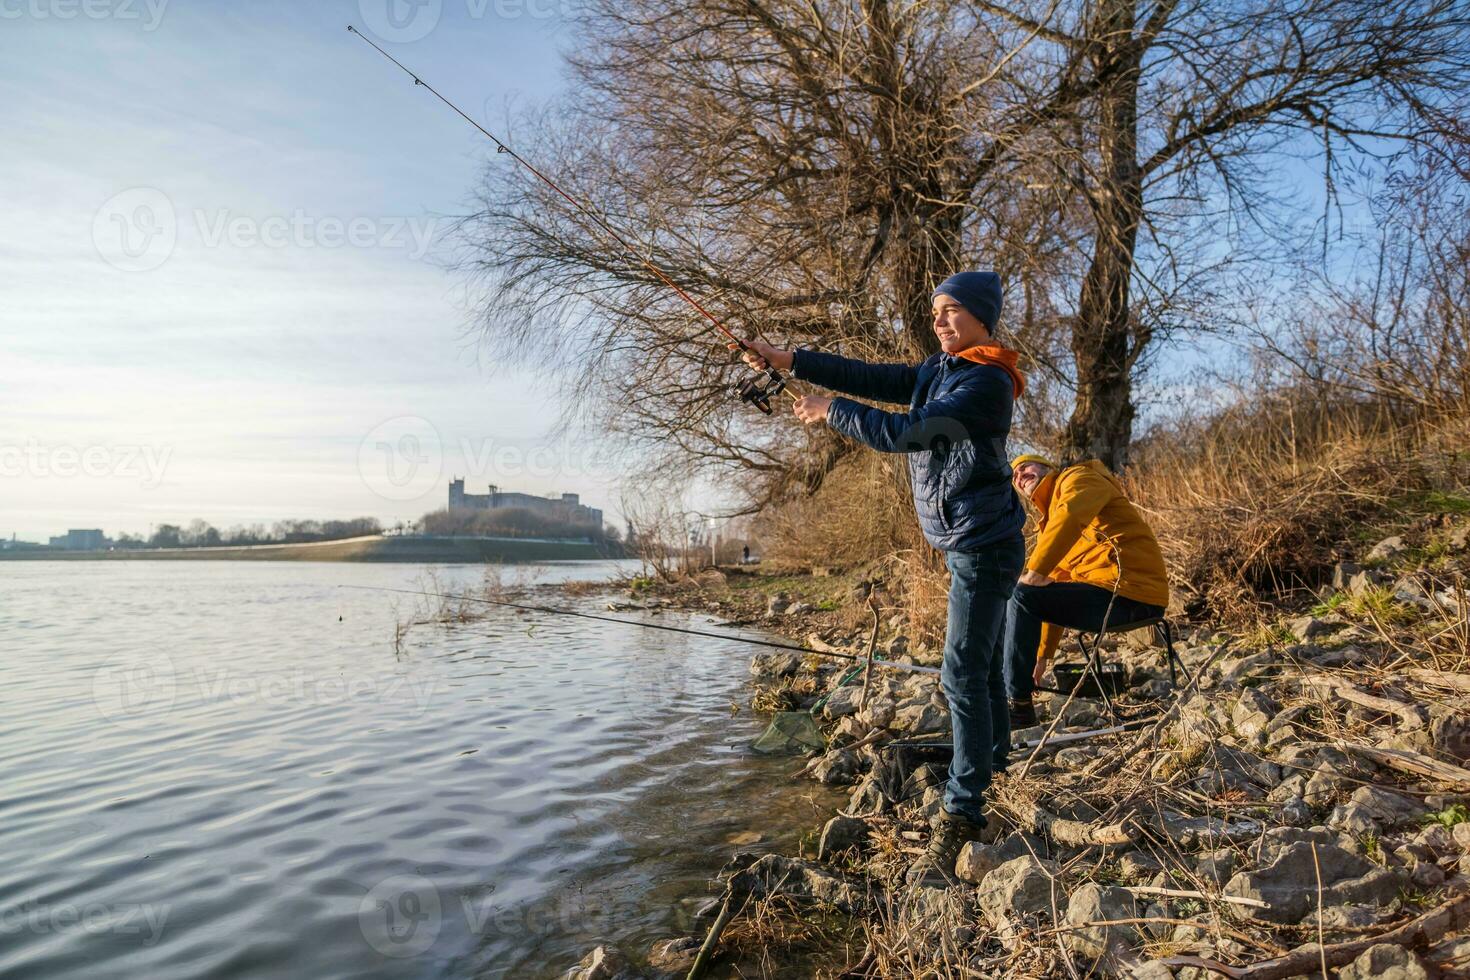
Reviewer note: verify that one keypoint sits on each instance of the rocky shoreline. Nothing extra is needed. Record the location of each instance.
(1300, 803)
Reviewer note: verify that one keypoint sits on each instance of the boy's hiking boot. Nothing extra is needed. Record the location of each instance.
(1023, 714)
(949, 836)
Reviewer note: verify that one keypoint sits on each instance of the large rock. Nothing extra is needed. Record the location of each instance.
(921, 719)
(1217, 866)
(674, 956)
(1387, 808)
(1252, 712)
(978, 859)
(774, 874)
(1022, 886)
(1386, 961)
(1331, 779)
(777, 604)
(1310, 627)
(837, 768)
(867, 797)
(603, 963)
(1342, 574)
(878, 713)
(775, 664)
(1352, 818)
(841, 703)
(1386, 549)
(1092, 903)
(840, 834)
(1450, 736)
(1288, 883)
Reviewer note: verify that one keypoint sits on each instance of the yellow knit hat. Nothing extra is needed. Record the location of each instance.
(1025, 458)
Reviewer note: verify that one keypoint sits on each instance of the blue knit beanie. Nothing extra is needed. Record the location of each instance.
(978, 292)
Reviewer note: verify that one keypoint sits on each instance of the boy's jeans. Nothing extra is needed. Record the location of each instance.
(1075, 605)
(973, 674)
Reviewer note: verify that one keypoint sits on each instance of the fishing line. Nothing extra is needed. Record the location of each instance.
(914, 668)
(755, 392)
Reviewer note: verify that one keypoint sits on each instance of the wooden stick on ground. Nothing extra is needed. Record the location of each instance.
(1420, 932)
(1414, 762)
(1440, 678)
(1254, 903)
(872, 644)
(1411, 713)
(1074, 833)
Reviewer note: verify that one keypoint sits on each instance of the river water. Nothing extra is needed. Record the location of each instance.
(230, 769)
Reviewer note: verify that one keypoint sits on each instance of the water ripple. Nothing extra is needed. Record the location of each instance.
(208, 774)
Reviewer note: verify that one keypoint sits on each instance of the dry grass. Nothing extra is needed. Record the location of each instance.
(1252, 505)
(1258, 505)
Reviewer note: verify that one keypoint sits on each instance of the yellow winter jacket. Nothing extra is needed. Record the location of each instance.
(1085, 529)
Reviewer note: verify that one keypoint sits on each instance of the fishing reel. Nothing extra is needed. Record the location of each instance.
(759, 390)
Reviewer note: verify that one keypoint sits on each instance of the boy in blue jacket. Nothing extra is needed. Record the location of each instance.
(954, 434)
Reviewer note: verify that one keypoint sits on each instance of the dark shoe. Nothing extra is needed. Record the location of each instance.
(1023, 714)
(950, 834)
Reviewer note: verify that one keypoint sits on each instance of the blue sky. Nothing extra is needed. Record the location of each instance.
(224, 294)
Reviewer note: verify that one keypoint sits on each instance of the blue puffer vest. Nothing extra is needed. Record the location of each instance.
(954, 434)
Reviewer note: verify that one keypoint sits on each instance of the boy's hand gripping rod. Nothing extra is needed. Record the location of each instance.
(755, 391)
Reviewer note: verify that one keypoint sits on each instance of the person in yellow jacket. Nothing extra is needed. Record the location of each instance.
(1094, 557)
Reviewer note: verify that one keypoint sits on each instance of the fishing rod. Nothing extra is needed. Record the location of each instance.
(913, 668)
(755, 391)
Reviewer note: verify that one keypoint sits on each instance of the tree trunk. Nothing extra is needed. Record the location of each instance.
(1102, 421)
(930, 254)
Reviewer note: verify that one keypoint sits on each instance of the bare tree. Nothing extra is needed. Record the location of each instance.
(807, 167)
(1193, 103)
(812, 168)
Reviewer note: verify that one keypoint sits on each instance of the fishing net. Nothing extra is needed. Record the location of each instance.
(795, 732)
(790, 733)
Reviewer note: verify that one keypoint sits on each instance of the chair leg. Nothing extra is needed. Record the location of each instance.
(1174, 658)
(1094, 668)
(1166, 635)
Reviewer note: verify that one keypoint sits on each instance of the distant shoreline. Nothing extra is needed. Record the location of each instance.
(369, 548)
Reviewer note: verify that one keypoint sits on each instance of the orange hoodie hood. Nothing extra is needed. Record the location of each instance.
(1001, 357)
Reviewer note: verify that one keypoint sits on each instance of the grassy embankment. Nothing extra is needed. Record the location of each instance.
(371, 548)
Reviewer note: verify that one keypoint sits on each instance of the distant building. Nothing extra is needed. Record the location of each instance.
(568, 507)
(80, 540)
